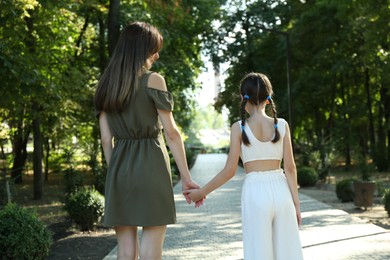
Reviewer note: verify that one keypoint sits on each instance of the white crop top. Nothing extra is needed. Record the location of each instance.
(258, 150)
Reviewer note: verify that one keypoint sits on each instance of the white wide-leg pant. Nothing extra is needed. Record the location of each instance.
(269, 223)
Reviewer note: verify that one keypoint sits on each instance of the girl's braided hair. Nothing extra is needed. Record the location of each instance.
(256, 88)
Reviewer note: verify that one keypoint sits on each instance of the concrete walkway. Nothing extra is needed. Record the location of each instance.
(214, 230)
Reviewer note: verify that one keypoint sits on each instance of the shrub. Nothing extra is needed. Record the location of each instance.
(344, 190)
(85, 206)
(307, 176)
(22, 234)
(386, 201)
(380, 188)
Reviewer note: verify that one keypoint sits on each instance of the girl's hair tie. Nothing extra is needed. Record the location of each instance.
(246, 97)
(269, 98)
(276, 125)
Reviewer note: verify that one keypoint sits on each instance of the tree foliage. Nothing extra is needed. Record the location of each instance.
(339, 71)
(53, 52)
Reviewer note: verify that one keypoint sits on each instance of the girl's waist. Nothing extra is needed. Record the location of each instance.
(274, 171)
(276, 174)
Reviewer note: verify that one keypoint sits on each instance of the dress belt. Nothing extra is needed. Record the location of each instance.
(135, 138)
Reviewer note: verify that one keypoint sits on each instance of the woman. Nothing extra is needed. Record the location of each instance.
(133, 105)
(270, 203)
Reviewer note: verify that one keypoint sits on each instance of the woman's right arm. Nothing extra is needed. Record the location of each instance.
(173, 138)
(175, 143)
(105, 136)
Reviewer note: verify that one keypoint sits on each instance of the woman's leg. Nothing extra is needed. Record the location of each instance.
(152, 242)
(127, 242)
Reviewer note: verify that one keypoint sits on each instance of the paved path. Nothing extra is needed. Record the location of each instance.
(214, 230)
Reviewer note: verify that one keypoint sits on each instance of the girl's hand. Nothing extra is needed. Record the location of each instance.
(191, 185)
(187, 185)
(298, 214)
(199, 203)
(196, 196)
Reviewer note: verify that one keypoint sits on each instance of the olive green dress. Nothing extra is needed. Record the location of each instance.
(138, 189)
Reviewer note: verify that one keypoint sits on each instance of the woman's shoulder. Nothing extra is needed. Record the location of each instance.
(156, 81)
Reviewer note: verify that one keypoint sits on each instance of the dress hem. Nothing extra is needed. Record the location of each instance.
(140, 225)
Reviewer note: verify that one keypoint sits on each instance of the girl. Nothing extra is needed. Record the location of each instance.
(133, 105)
(270, 204)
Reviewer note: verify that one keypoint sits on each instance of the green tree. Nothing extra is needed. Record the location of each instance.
(339, 59)
(52, 54)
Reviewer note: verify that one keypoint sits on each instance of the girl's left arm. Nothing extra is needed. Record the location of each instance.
(228, 171)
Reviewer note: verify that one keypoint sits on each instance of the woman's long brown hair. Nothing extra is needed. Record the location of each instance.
(137, 43)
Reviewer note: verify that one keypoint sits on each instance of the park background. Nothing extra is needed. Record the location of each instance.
(328, 61)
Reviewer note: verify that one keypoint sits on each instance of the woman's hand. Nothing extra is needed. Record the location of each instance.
(188, 186)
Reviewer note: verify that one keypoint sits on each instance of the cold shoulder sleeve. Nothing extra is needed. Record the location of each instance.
(162, 99)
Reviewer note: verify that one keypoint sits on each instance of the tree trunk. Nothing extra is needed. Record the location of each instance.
(113, 25)
(37, 154)
(347, 148)
(3, 156)
(370, 116)
(47, 155)
(102, 44)
(20, 157)
(36, 122)
(19, 150)
(380, 149)
(383, 129)
(80, 38)
(385, 102)
(388, 145)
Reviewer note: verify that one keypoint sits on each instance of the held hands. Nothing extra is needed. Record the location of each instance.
(195, 195)
(187, 188)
